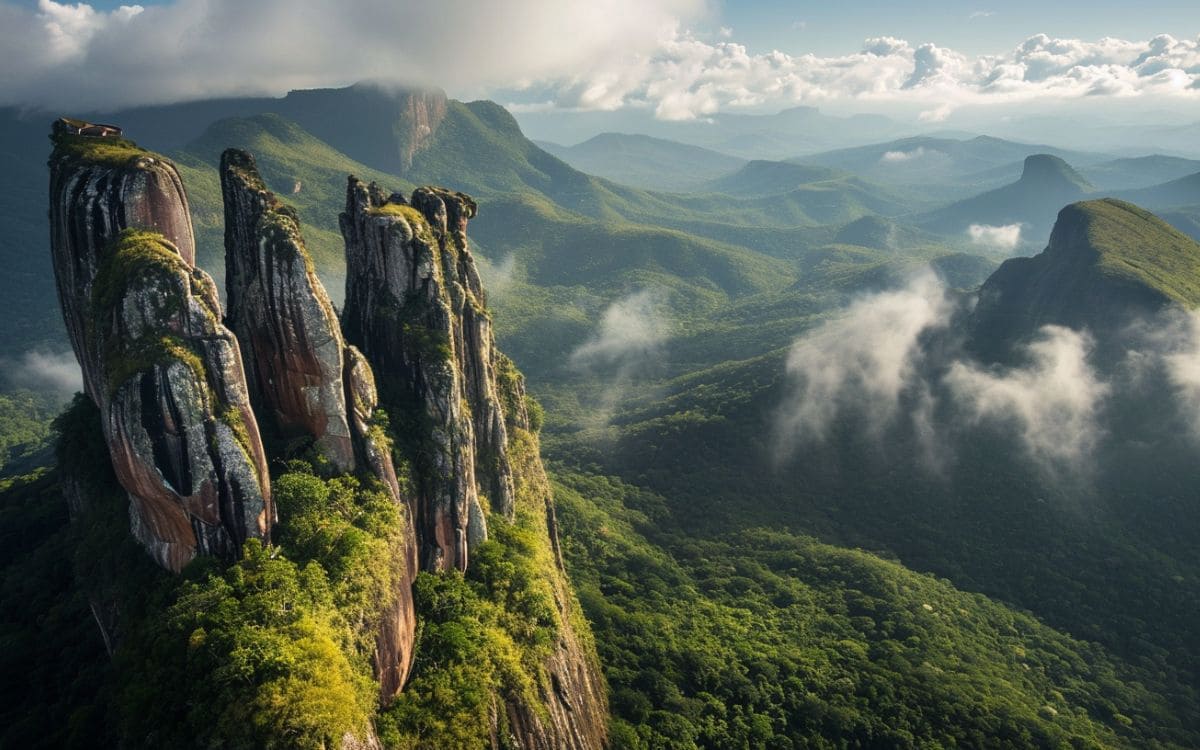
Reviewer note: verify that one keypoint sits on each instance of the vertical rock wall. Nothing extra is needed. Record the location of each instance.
(146, 328)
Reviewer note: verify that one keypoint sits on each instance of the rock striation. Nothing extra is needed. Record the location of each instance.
(415, 307)
(164, 371)
(305, 382)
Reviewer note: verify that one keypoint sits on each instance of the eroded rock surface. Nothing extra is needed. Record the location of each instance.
(414, 306)
(166, 374)
(304, 380)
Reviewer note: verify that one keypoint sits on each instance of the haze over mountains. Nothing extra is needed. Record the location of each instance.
(854, 437)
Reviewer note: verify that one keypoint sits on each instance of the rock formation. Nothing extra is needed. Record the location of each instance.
(146, 328)
(415, 306)
(178, 402)
(304, 380)
(282, 316)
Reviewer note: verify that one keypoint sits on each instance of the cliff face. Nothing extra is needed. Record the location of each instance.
(165, 373)
(304, 380)
(1107, 264)
(415, 306)
(179, 412)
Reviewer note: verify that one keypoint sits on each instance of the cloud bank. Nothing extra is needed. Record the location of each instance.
(687, 77)
(892, 369)
(590, 55)
(59, 54)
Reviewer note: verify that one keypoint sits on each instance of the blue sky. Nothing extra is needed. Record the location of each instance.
(976, 28)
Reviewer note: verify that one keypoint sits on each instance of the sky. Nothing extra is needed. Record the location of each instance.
(673, 60)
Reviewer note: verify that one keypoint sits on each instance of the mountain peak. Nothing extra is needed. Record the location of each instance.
(1108, 262)
(1131, 244)
(1048, 170)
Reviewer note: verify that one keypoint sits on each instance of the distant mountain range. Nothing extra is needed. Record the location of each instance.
(646, 162)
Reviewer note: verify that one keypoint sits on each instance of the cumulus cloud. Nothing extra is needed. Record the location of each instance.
(1005, 237)
(625, 346)
(867, 358)
(61, 54)
(1053, 402)
(687, 78)
(52, 373)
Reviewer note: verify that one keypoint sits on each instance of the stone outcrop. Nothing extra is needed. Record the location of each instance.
(304, 380)
(415, 307)
(146, 328)
(277, 307)
(1108, 264)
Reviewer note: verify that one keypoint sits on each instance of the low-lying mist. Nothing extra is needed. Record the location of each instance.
(895, 367)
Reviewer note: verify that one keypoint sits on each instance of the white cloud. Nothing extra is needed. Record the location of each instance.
(627, 345)
(687, 78)
(866, 357)
(630, 330)
(981, 14)
(596, 55)
(1005, 237)
(55, 373)
(899, 157)
(1053, 402)
(60, 54)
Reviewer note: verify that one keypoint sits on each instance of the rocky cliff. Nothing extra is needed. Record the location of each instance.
(146, 328)
(414, 306)
(304, 381)
(182, 393)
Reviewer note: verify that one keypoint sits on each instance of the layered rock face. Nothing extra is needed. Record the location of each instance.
(415, 306)
(304, 380)
(165, 373)
(282, 316)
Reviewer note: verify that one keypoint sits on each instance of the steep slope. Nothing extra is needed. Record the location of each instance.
(146, 328)
(304, 381)
(1107, 263)
(646, 162)
(1047, 183)
(416, 307)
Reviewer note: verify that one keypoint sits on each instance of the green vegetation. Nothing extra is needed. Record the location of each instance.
(764, 638)
(1136, 245)
(300, 169)
(107, 152)
(24, 430)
